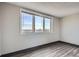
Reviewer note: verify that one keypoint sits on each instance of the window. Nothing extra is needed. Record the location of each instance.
(33, 23)
(47, 25)
(38, 24)
(26, 21)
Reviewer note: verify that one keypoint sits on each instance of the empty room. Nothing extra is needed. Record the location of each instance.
(39, 29)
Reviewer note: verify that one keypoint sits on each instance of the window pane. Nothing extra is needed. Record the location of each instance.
(38, 24)
(47, 25)
(26, 20)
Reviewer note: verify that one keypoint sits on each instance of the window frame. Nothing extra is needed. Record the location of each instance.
(33, 20)
(50, 24)
(42, 25)
(21, 23)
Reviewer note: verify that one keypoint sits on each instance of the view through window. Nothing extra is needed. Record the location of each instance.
(47, 25)
(26, 22)
(38, 23)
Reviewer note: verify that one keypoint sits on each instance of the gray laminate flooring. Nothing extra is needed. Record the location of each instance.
(58, 49)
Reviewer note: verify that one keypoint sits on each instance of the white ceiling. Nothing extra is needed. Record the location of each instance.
(58, 9)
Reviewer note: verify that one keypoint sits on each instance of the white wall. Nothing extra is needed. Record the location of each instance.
(0, 33)
(0, 29)
(13, 40)
(70, 29)
(0, 36)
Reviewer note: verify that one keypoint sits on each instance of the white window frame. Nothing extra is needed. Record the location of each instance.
(33, 20)
(32, 23)
(50, 24)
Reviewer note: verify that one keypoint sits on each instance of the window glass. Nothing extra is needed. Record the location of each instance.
(38, 24)
(34, 23)
(47, 25)
(26, 21)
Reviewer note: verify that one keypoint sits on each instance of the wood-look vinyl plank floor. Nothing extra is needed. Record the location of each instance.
(58, 49)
